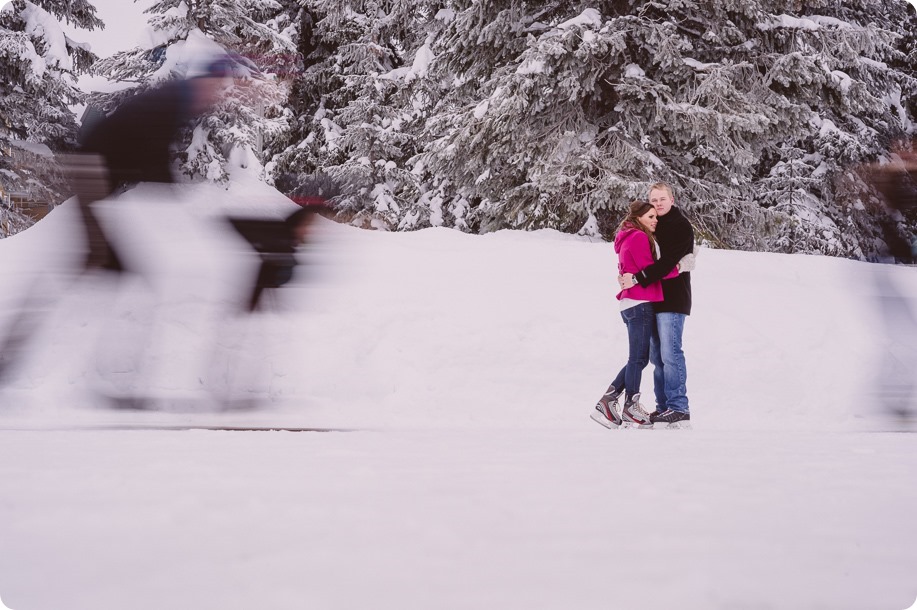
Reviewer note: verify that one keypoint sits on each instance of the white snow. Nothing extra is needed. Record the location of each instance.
(36, 65)
(878, 65)
(418, 68)
(188, 57)
(446, 15)
(531, 66)
(165, 35)
(42, 25)
(466, 367)
(831, 21)
(332, 131)
(401, 73)
(826, 127)
(35, 148)
(843, 80)
(697, 65)
(893, 99)
(481, 109)
(241, 160)
(789, 22)
(634, 71)
(422, 60)
(589, 17)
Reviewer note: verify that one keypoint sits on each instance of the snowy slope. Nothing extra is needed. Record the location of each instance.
(467, 367)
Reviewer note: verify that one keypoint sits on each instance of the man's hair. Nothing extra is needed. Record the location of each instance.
(662, 186)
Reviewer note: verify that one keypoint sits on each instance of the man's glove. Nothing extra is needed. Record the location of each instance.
(688, 262)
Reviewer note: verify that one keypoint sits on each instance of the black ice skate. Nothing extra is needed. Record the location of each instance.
(673, 420)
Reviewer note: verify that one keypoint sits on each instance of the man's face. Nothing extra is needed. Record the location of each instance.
(662, 200)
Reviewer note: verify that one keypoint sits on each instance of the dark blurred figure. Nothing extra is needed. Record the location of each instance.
(896, 181)
(129, 146)
(133, 145)
(276, 242)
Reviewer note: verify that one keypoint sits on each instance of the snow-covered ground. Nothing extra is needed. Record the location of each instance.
(460, 372)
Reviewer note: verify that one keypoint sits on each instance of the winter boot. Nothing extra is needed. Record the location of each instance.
(633, 413)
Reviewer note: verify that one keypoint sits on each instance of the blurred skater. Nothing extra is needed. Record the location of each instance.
(134, 144)
(896, 181)
(187, 262)
(145, 230)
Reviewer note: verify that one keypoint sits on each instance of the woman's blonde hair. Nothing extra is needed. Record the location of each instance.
(632, 221)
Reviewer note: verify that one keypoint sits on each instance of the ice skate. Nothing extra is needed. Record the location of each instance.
(672, 420)
(606, 410)
(633, 413)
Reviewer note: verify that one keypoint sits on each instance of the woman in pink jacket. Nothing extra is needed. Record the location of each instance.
(636, 248)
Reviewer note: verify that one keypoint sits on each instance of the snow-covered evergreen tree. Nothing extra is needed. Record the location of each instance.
(525, 141)
(38, 69)
(355, 106)
(462, 163)
(747, 110)
(185, 35)
(556, 114)
(843, 65)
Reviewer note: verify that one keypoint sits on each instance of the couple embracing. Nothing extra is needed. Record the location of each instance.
(655, 245)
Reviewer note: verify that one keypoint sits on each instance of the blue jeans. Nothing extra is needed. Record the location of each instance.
(671, 374)
(640, 321)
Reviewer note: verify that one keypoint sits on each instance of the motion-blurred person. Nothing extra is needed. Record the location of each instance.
(145, 230)
(896, 181)
(186, 262)
(134, 144)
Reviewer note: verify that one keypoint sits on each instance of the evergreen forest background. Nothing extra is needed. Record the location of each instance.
(487, 115)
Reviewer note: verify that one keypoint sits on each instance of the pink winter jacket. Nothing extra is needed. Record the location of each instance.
(633, 249)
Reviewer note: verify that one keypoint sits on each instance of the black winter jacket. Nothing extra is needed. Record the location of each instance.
(136, 139)
(675, 237)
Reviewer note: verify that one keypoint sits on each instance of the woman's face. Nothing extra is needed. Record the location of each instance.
(649, 220)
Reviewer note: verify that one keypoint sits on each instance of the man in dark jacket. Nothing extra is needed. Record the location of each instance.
(133, 144)
(130, 146)
(675, 237)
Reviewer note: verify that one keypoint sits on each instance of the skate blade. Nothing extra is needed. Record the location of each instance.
(632, 425)
(679, 425)
(601, 419)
